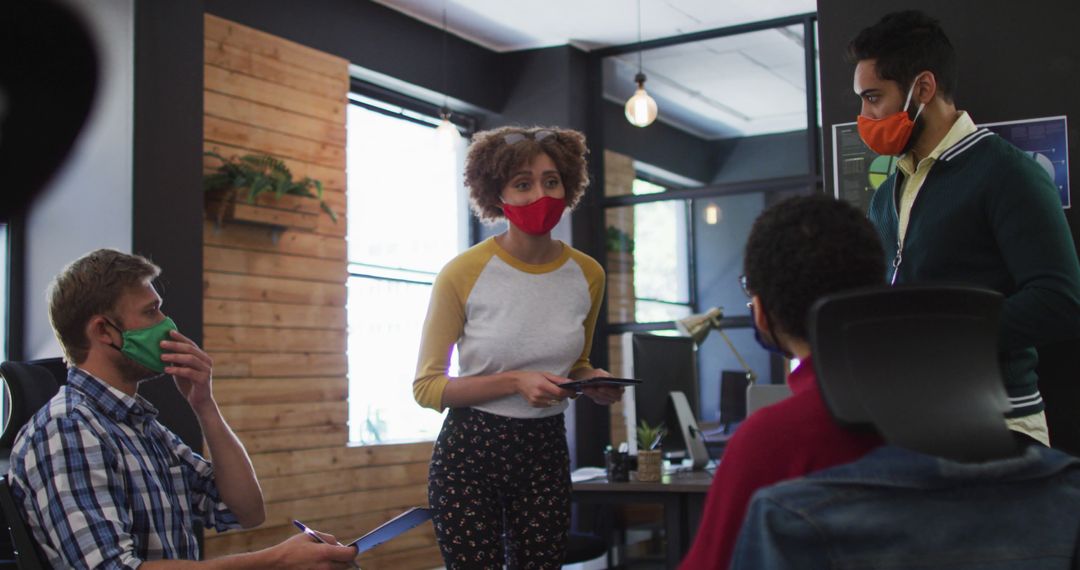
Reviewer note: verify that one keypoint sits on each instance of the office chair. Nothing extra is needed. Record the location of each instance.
(919, 364)
(28, 555)
(953, 489)
(30, 385)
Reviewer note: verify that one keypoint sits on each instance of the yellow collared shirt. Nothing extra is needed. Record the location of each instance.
(915, 175)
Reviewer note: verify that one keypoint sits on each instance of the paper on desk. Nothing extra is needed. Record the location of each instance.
(587, 473)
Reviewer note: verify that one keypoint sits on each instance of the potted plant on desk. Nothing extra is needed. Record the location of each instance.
(649, 453)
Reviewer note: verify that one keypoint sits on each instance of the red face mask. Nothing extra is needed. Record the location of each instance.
(536, 218)
(890, 135)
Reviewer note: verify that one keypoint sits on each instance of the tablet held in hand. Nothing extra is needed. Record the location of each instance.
(579, 385)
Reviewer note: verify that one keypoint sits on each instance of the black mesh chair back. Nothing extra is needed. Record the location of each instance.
(29, 386)
(28, 555)
(917, 363)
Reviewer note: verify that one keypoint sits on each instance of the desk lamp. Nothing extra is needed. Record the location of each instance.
(698, 327)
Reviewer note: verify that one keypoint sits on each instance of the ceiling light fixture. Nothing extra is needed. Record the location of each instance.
(446, 132)
(712, 214)
(640, 108)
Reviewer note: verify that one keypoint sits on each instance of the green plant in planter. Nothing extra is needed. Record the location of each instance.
(618, 240)
(251, 175)
(648, 437)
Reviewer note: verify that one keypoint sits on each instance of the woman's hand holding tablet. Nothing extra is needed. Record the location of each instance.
(600, 381)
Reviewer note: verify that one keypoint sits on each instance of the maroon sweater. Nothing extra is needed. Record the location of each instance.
(789, 439)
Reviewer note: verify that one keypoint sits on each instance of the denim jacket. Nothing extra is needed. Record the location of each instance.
(896, 508)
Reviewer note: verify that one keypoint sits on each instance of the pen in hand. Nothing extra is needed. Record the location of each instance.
(304, 528)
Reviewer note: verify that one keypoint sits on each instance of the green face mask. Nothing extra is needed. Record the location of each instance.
(144, 345)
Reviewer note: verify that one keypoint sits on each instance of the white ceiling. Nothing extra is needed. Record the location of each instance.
(511, 25)
(744, 85)
(741, 85)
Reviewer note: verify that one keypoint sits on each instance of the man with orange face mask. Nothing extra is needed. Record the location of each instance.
(964, 205)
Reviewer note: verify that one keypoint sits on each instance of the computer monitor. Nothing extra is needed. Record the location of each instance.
(665, 364)
(733, 385)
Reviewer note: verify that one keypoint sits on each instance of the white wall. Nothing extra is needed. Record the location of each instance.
(88, 205)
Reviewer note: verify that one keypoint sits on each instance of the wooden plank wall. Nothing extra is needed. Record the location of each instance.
(275, 319)
(619, 177)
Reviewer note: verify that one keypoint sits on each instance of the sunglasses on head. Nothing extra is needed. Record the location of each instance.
(514, 138)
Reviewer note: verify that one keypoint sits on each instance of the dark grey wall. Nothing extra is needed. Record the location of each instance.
(380, 39)
(759, 157)
(543, 87)
(712, 162)
(1017, 61)
(167, 201)
(660, 144)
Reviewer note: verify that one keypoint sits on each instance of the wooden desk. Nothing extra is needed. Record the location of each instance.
(682, 494)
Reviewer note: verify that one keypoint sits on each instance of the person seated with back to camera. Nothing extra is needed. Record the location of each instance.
(798, 251)
(98, 480)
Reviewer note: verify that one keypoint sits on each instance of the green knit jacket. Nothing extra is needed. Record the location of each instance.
(988, 215)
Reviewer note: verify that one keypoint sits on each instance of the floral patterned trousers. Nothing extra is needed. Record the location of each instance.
(499, 488)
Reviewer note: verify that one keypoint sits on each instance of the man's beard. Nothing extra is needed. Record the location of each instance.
(133, 371)
(916, 132)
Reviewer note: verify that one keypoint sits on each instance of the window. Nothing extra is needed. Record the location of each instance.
(661, 257)
(407, 217)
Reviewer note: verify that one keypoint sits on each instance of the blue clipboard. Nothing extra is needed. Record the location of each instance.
(384, 532)
(405, 521)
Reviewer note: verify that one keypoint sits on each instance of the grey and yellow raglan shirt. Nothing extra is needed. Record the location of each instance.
(978, 210)
(504, 314)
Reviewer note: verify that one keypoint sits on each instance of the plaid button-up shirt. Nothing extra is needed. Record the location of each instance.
(102, 484)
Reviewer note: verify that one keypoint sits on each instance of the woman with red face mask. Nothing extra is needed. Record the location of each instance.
(520, 308)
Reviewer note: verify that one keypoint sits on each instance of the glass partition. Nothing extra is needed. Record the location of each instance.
(737, 130)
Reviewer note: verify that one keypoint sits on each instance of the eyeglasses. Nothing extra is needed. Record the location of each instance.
(514, 138)
(746, 291)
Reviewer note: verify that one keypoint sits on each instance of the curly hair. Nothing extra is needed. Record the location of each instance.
(804, 248)
(904, 44)
(491, 162)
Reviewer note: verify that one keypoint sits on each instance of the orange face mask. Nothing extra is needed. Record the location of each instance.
(890, 135)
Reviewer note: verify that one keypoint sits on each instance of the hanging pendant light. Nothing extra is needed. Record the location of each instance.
(447, 134)
(640, 108)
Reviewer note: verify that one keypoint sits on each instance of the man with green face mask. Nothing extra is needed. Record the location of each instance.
(130, 491)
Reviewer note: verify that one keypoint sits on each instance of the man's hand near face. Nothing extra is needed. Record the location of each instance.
(191, 369)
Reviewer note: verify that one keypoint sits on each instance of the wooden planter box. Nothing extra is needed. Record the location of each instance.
(291, 212)
(649, 465)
